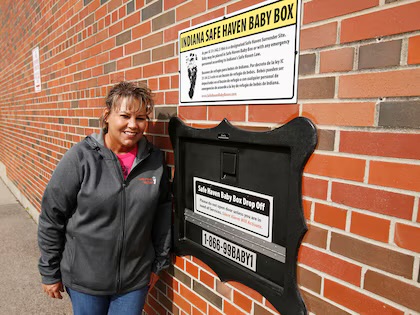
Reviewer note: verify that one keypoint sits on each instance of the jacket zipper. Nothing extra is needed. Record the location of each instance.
(122, 222)
(121, 247)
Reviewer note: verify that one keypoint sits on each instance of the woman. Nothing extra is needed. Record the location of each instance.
(105, 224)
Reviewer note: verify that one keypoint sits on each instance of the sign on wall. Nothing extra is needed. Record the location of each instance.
(250, 56)
(37, 69)
(245, 210)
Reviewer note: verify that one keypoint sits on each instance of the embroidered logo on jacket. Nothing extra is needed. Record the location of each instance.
(148, 180)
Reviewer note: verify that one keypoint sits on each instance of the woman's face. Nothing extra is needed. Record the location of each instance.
(125, 127)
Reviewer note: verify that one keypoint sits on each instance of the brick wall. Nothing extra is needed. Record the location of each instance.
(359, 82)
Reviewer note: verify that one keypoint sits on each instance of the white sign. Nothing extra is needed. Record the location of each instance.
(230, 250)
(249, 57)
(248, 211)
(37, 69)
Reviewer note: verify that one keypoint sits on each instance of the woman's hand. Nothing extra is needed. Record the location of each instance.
(153, 279)
(53, 290)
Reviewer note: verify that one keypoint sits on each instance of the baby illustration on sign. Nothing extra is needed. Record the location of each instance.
(192, 72)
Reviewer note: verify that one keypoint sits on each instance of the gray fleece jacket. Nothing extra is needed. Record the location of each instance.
(98, 233)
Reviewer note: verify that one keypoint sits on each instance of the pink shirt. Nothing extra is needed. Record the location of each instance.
(127, 160)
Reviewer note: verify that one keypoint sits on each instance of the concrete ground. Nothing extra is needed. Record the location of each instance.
(20, 282)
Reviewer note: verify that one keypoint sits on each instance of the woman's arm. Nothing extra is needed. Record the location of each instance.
(58, 203)
(162, 232)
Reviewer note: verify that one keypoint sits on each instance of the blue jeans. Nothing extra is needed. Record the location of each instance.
(130, 303)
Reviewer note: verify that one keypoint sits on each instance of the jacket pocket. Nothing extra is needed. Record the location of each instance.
(94, 264)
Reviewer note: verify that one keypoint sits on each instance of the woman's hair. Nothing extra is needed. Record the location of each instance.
(130, 91)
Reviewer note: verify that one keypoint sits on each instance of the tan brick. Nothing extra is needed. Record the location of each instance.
(141, 58)
(164, 20)
(309, 279)
(319, 306)
(316, 88)
(392, 289)
(151, 10)
(380, 55)
(326, 140)
(163, 52)
(402, 114)
(307, 64)
(316, 236)
(372, 255)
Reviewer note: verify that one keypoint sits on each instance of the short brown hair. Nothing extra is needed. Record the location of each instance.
(130, 90)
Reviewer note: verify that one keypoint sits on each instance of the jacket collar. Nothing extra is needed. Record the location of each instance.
(96, 142)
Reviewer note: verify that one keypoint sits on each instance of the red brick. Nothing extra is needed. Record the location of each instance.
(318, 36)
(132, 47)
(133, 74)
(242, 301)
(397, 145)
(232, 113)
(330, 215)
(336, 167)
(152, 40)
(190, 8)
(380, 84)
(116, 29)
(241, 5)
(337, 60)
(413, 50)
(272, 113)
(370, 226)
(132, 20)
(152, 70)
(375, 200)
(124, 63)
(407, 236)
(191, 269)
(230, 309)
(319, 10)
(306, 204)
(141, 30)
(314, 187)
(172, 3)
(247, 291)
(179, 262)
(116, 53)
(209, 16)
(171, 97)
(193, 298)
(171, 33)
(164, 83)
(341, 114)
(180, 301)
(215, 3)
(356, 301)
(397, 20)
(418, 214)
(213, 311)
(192, 112)
(397, 175)
(331, 265)
(171, 66)
(207, 279)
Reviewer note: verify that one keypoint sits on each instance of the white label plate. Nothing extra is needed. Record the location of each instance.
(230, 250)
